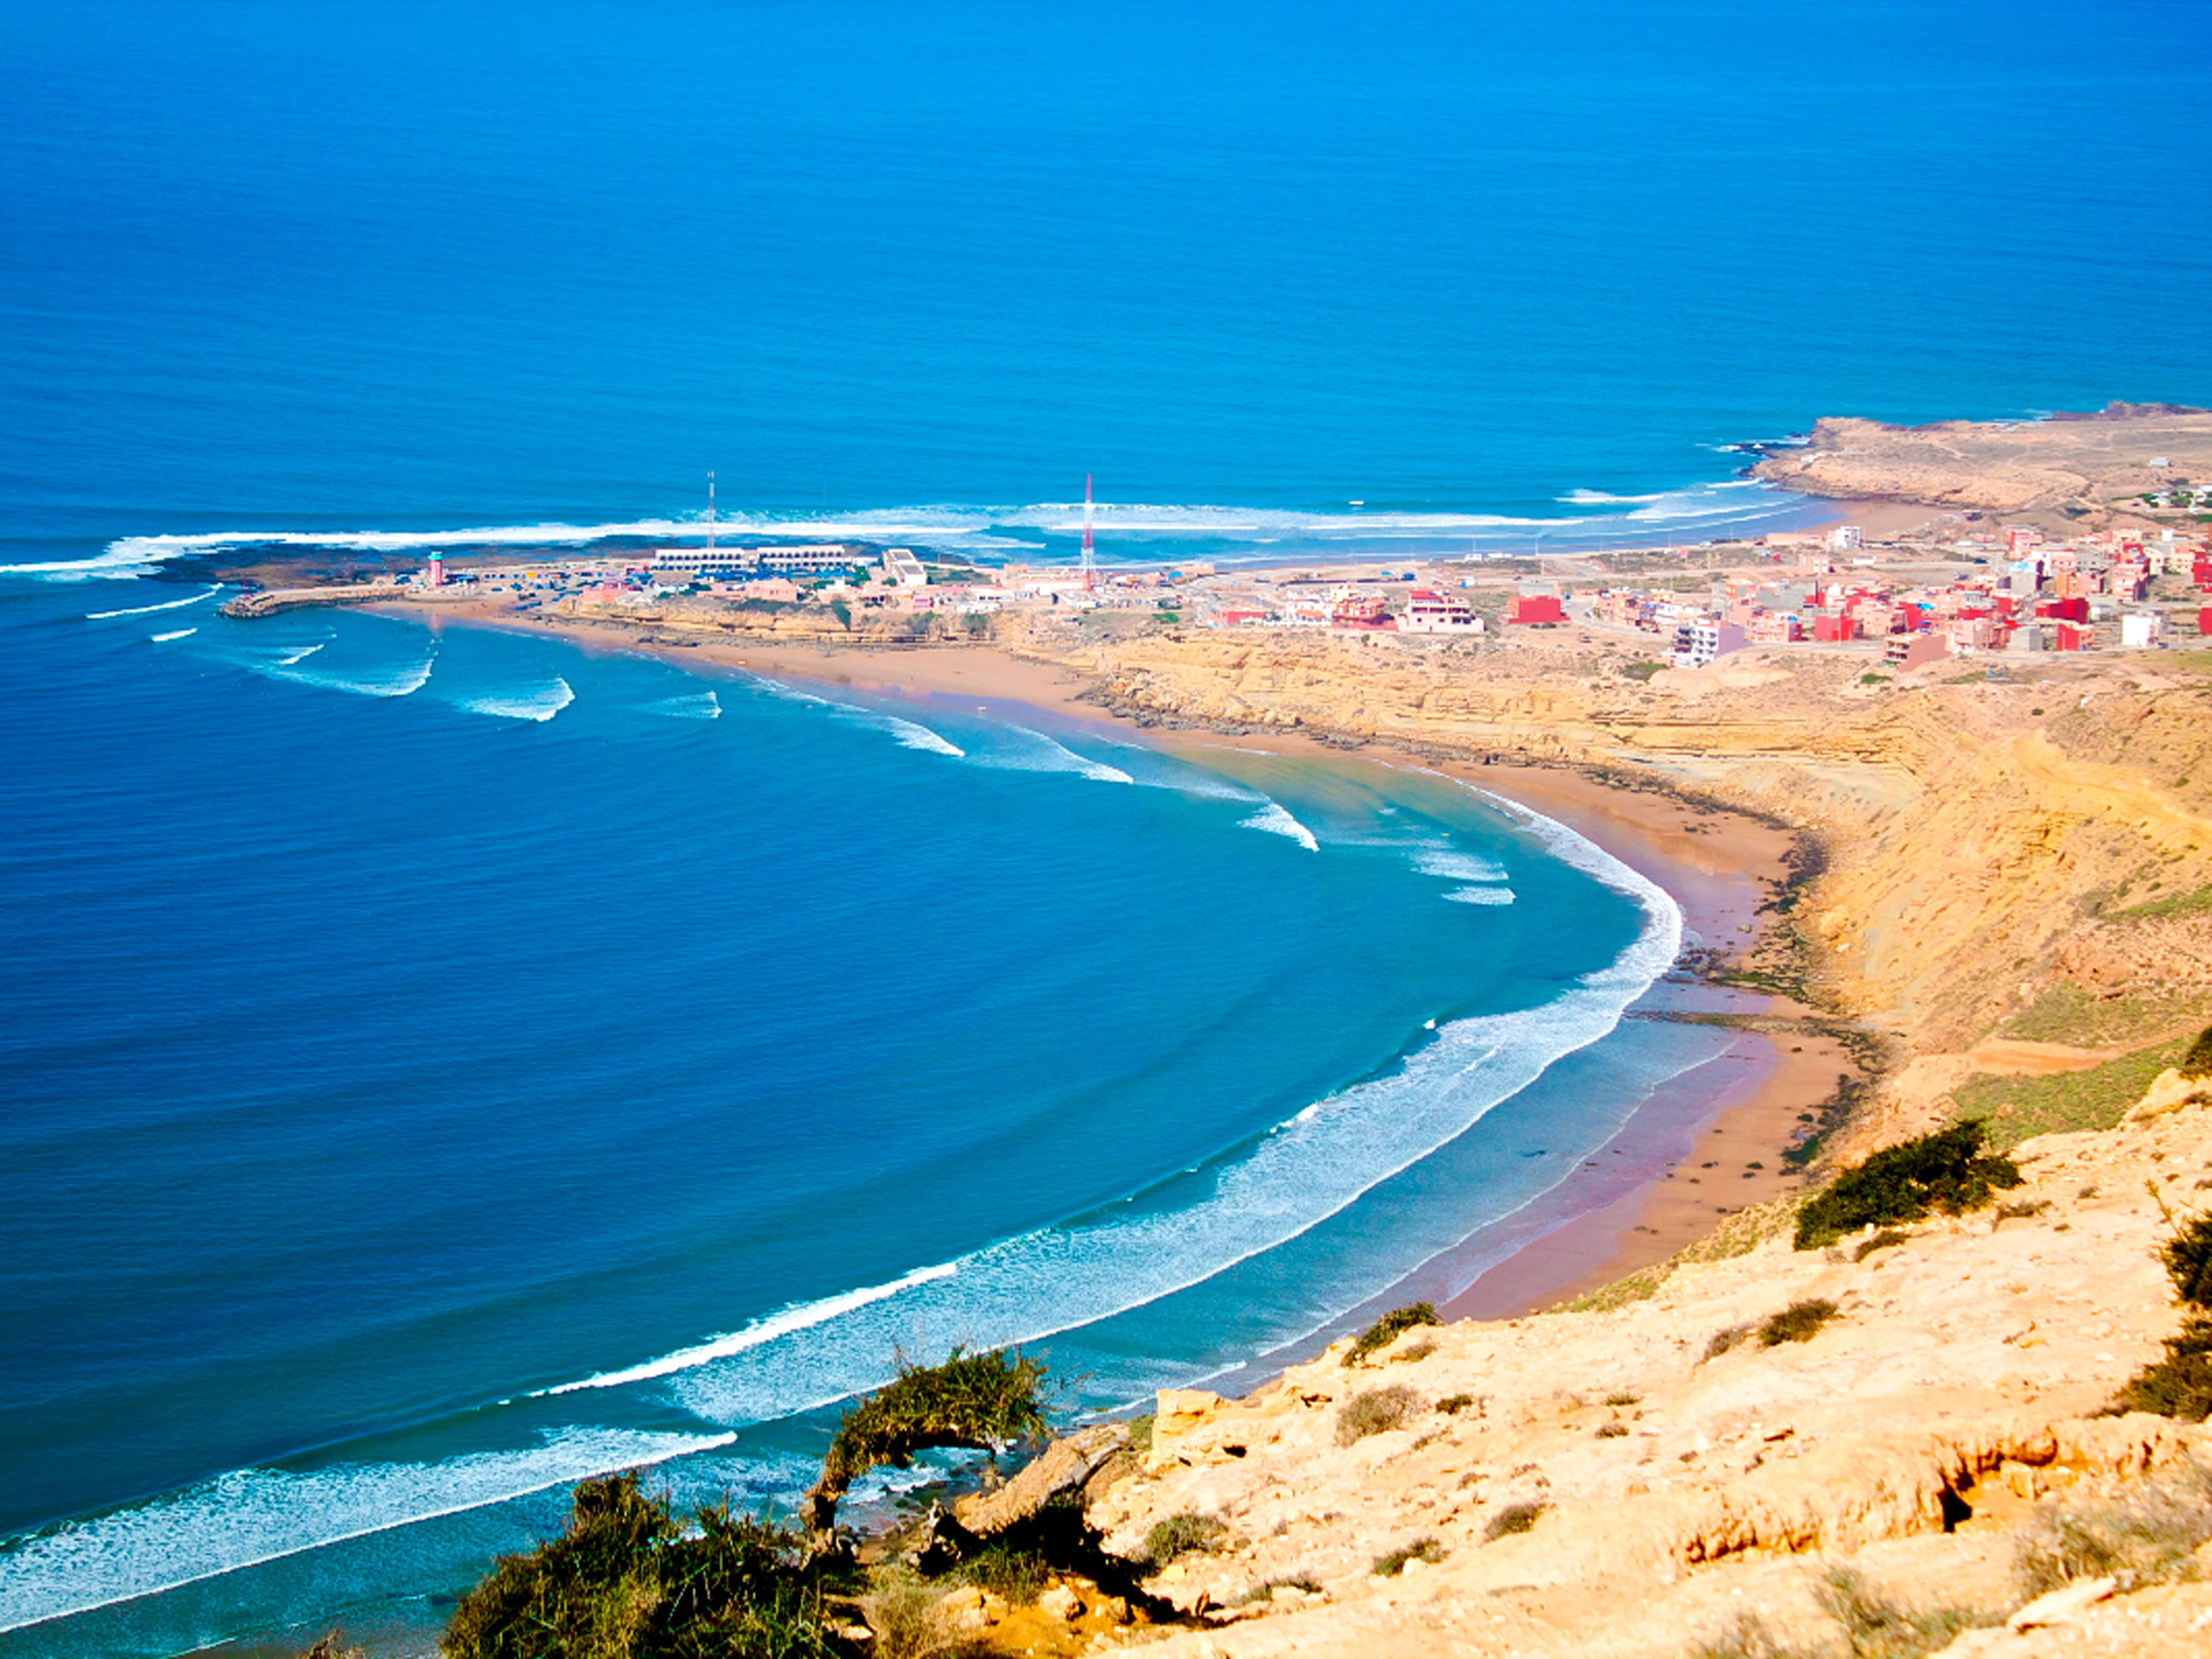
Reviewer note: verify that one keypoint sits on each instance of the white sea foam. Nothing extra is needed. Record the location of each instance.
(703, 705)
(1485, 895)
(148, 610)
(401, 681)
(252, 1516)
(537, 702)
(800, 1316)
(1276, 820)
(972, 529)
(174, 633)
(1041, 753)
(1452, 865)
(913, 736)
(1028, 1287)
(117, 562)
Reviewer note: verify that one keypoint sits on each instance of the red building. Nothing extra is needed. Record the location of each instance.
(1535, 609)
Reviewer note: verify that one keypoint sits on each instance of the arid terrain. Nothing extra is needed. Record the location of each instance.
(2079, 469)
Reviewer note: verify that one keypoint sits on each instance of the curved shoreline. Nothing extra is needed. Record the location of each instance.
(1720, 866)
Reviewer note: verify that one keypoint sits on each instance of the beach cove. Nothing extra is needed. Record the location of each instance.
(1724, 1125)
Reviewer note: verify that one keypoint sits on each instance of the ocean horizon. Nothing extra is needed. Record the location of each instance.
(443, 1063)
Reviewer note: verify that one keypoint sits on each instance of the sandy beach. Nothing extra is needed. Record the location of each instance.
(1705, 1144)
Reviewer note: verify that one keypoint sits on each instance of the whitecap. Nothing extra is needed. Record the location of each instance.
(538, 702)
(798, 1316)
(1452, 865)
(174, 633)
(703, 705)
(1486, 895)
(1042, 753)
(1275, 820)
(252, 1516)
(148, 610)
(1323, 1159)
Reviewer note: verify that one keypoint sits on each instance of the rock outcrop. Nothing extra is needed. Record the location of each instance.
(1622, 1484)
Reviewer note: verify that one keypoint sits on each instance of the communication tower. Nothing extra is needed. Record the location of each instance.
(1090, 559)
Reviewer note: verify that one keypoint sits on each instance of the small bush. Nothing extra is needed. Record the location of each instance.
(1623, 1398)
(1888, 1239)
(1414, 1351)
(1374, 1411)
(1514, 1518)
(2188, 1256)
(1421, 1549)
(1178, 1535)
(1946, 1172)
(1453, 1404)
(2142, 1538)
(1878, 1628)
(1305, 1582)
(2180, 1385)
(1723, 1340)
(1748, 1636)
(626, 1581)
(1141, 1434)
(1386, 1329)
(1799, 1322)
(904, 1611)
(1612, 1431)
(1009, 1570)
(2198, 1062)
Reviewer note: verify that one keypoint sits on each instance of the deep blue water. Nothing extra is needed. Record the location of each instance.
(398, 1025)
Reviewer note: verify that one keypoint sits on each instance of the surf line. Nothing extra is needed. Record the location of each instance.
(1334, 1152)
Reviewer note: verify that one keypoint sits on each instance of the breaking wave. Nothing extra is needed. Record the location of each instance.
(539, 703)
(1275, 820)
(148, 610)
(1229, 532)
(252, 1516)
(1194, 1226)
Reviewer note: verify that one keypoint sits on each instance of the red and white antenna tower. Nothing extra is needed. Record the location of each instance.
(1090, 559)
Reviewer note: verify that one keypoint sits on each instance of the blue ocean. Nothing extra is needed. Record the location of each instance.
(440, 1064)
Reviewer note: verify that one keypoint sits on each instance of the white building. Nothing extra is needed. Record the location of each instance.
(904, 570)
(2140, 630)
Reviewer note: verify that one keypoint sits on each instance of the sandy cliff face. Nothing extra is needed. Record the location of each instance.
(1929, 1438)
(1974, 831)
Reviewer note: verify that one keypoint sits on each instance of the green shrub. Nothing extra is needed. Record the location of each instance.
(2180, 1385)
(626, 1581)
(1799, 1322)
(1394, 1563)
(1514, 1518)
(1888, 1239)
(1017, 1571)
(1141, 1434)
(1723, 1339)
(1178, 1535)
(981, 1402)
(1643, 671)
(2188, 1256)
(1375, 1411)
(1386, 1329)
(2198, 1062)
(1453, 1404)
(1947, 1172)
